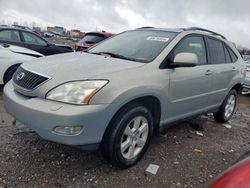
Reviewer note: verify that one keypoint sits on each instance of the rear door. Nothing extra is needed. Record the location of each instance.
(222, 65)
(190, 87)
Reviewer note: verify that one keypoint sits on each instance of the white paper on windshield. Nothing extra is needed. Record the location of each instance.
(160, 39)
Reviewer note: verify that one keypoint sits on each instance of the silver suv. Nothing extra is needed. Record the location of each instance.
(127, 88)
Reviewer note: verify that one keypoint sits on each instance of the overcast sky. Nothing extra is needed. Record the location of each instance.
(228, 17)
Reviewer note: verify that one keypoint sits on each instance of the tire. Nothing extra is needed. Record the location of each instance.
(227, 108)
(128, 135)
(9, 73)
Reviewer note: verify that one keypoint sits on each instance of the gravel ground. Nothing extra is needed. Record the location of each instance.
(26, 160)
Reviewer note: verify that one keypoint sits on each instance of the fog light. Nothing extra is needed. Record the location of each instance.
(68, 131)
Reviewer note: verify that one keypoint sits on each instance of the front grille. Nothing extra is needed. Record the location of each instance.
(28, 80)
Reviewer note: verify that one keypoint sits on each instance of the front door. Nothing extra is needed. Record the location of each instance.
(190, 87)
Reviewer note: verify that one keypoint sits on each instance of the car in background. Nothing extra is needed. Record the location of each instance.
(47, 34)
(10, 59)
(246, 86)
(238, 176)
(246, 57)
(91, 39)
(28, 39)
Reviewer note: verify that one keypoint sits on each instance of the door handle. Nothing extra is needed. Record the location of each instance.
(208, 72)
(234, 69)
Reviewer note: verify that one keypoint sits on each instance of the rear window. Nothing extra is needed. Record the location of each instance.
(92, 39)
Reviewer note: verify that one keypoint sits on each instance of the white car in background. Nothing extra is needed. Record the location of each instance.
(11, 57)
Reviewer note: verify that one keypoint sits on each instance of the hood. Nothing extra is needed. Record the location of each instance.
(17, 56)
(63, 46)
(76, 66)
(24, 51)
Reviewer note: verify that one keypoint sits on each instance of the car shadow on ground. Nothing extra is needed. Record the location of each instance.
(42, 155)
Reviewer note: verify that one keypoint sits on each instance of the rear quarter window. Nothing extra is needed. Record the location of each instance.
(232, 54)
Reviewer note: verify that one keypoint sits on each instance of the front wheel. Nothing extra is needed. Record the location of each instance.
(227, 108)
(128, 136)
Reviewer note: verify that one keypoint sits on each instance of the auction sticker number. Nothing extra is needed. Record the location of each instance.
(160, 39)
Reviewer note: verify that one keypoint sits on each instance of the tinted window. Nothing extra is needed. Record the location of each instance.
(194, 45)
(228, 57)
(232, 54)
(33, 39)
(92, 39)
(137, 45)
(9, 35)
(216, 49)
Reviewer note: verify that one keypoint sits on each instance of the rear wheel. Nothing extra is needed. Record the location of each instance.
(9, 73)
(227, 108)
(128, 136)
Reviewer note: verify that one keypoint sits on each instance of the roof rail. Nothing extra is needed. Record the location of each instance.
(146, 27)
(206, 30)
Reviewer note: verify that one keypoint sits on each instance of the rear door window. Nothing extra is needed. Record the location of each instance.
(10, 35)
(216, 50)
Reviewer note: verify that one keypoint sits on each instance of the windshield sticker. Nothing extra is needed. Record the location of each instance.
(160, 39)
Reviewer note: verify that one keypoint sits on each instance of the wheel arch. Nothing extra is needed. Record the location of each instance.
(149, 101)
(237, 87)
(9, 68)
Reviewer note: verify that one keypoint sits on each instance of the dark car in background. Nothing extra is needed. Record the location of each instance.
(91, 39)
(28, 39)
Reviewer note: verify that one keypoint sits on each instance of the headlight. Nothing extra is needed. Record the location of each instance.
(77, 92)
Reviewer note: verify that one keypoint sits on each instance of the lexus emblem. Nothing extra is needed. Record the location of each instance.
(20, 76)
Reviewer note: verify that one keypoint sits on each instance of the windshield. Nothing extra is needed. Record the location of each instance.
(92, 39)
(138, 45)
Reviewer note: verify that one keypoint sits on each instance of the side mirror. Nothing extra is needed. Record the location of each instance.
(185, 60)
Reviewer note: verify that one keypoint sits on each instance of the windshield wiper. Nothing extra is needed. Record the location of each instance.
(113, 55)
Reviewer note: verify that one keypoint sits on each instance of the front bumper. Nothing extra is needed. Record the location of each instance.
(43, 115)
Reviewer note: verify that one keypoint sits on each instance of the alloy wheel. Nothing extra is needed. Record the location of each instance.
(230, 106)
(134, 137)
